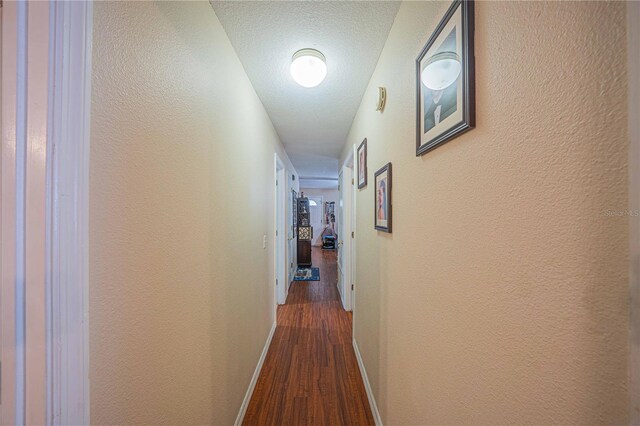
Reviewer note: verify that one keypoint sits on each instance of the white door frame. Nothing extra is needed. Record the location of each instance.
(347, 229)
(45, 145)
(279, 228)
(353, 188)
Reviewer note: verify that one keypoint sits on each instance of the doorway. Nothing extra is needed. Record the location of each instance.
(316, 210)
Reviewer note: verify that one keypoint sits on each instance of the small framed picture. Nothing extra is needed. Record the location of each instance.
(362, 164)
(445, 80)
(383, 204)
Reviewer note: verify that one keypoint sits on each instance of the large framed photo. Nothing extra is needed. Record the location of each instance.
(362, 164)
(383, 205)
(445, 80)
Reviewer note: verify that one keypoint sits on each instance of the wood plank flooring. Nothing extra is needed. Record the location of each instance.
(310, 375)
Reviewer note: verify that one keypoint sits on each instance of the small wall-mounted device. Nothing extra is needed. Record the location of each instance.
(382, 99)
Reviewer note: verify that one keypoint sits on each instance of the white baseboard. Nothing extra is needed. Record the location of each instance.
(254, 379)
(340, 294)
(367, 386)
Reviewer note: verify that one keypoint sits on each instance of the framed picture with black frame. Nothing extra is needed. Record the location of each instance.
(445, 80)
(362, 164)
(382, 199)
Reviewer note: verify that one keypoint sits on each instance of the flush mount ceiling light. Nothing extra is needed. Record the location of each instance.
(308, 67)
(441, 70)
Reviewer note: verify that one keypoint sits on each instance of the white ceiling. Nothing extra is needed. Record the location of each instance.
(312, 123)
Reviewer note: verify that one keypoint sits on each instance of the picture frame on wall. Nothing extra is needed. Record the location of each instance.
(382, 199)
(362, 164)
(445, 80)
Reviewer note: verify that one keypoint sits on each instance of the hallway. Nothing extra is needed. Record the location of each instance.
(165, 167)
(310, 375)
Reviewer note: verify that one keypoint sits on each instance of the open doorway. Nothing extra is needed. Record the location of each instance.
(315, 215)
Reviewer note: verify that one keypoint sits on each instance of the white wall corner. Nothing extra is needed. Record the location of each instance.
(254, 379)
(363, 372)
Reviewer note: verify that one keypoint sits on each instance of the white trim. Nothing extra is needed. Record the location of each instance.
(47, 64)
(24, 144)
(633, 49)
(20, 207)
(367, 386)
(341, 229)
(354, 201)
(254, 379)
(68, 213)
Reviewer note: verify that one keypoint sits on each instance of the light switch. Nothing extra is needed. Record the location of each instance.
(264, 241)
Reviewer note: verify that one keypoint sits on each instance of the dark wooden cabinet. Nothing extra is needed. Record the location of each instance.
(304, 253)
(305, 232)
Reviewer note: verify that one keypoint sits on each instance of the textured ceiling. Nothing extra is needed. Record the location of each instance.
(312, 123)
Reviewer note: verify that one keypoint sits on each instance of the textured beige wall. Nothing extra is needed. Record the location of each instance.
(181, 194)
(633, 49)
(502, 294)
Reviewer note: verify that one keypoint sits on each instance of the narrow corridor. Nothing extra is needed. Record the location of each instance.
(310, 375)
(165, 165)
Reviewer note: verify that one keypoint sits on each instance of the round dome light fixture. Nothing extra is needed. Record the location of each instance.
(441, 70)
(308, 67)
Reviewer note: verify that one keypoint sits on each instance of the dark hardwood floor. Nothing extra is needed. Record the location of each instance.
(310, 375)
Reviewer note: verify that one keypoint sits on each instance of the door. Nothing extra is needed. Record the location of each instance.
(280, 232)
(341, 236)
(346, 235)
(351, 194)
